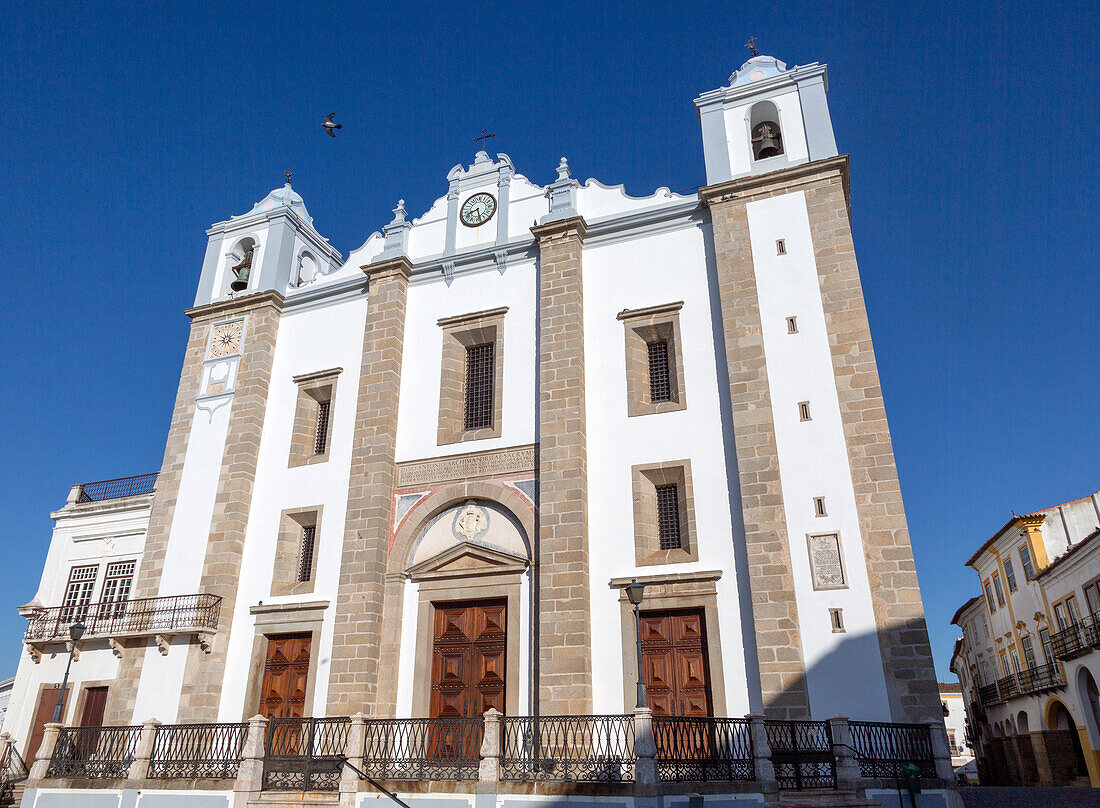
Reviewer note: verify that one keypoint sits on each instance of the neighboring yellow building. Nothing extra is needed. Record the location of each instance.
(1029, 657)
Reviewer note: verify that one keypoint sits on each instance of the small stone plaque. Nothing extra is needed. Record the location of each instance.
(825, 561)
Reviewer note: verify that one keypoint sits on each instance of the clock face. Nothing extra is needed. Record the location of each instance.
(226, 339)
(478, 209)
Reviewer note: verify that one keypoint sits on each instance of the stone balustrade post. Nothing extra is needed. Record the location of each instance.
(349, 778)
(489, 768)
(847, 765)
(143, 755)
(762, 754)
(645, 750)
(250, 774)
(45, 750)
(941, 751)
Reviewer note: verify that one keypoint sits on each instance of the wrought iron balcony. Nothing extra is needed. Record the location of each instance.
(1078, 639)
(1045, 677)
(179, 614)
(1009, 687)
(118, 488)
(989, 694)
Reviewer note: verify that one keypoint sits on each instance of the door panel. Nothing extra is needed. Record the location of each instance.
(468, 659)
(675, 663)
(286, 676)
(95, 702)
(46, 704)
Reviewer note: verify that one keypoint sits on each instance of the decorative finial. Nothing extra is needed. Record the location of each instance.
(289, 172)
(399, 213)
(485, 135)
(563, 169)
(751, 45)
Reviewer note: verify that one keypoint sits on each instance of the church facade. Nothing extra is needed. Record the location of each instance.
(416, 481)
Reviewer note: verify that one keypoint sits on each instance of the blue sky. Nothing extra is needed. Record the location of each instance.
(125, 132)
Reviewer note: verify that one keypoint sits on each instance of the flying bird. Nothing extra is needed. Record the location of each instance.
(329, 125)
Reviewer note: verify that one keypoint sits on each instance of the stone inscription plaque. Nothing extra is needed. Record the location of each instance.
(825, 562)
(461, 468)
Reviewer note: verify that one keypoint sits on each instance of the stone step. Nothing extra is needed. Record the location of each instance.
(824, 798)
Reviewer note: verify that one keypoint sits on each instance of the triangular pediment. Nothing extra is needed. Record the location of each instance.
(467, 558)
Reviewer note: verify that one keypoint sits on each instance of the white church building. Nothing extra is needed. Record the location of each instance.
(416, 481)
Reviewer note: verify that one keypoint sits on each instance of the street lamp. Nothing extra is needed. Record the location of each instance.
(76, 631)
(634, 592)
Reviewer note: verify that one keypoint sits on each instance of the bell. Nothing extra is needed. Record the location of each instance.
(241, 281)
(241, 271)
(766, 136)
(769, 147)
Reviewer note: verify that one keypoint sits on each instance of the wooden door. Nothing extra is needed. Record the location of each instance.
(286, 674)
(468, 659)
(44, 714)
(675, 663)
(95, 702)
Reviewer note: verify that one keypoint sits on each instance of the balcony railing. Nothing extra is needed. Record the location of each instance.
(883, 749)
(422, 748)
(989, 694)
(138, 617)
(568, 748)
(94, 752)
(118, 488)
(193, 751)
(1078, 639)
(701, 749)
(1045, 677)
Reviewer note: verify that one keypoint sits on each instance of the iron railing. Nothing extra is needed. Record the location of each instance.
(127, 617)
(1044, 677)
(118, 488)
(1008, 686)
(305, 754)
(1077, 639)
(802, 754)
(94, 752)
(568, 748)
(699, 749)
(882, 748)
(989, 694)
(422, 748)
(207, 751)
(13, 769)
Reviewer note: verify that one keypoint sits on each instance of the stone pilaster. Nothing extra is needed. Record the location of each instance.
(353, 682)
(892, 572)
(564, 625)
(775, 613)
(123, 691)
(204, 672)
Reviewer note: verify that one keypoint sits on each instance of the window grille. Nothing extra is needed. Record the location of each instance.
(668, 517)
(305, 561)
(479, 387)
(660, 383)
(320, 443)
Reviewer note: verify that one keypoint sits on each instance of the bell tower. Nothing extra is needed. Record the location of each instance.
(768, 117)
(273, 246)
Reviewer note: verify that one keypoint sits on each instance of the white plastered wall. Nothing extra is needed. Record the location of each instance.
(844, 671)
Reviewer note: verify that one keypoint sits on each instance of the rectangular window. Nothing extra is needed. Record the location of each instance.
(78, 593)
(836, 619)
(1048, 649)
(792, 325)
(320, 444)
(1071, 607)
(803, 411)
(989, 597)
(668, 516)
(1015, 656)
(1005, 670)
(479, 386)
(819, 506)
(999, 589)
(780, 246)
(1025, 560)
(1029, 652)
(1092, 597)
(118, 581)
(1010, 574)
(660, 383)
(951, 743)
(1060, 616)
(305, 557)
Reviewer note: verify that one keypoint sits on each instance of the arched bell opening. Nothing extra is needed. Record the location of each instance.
(307, 268)
(238, 266)
(764, 131)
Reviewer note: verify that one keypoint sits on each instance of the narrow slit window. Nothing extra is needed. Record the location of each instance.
(660, 383)
(668, 517)
(781, 246)
(320, 443)
(479, 387)
(792, 325)
(819, 506)
(836, 619)
(305, 557)
(803, 410)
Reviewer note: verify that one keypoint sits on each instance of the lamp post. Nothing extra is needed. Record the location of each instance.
(634, 592)
(76, 631)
